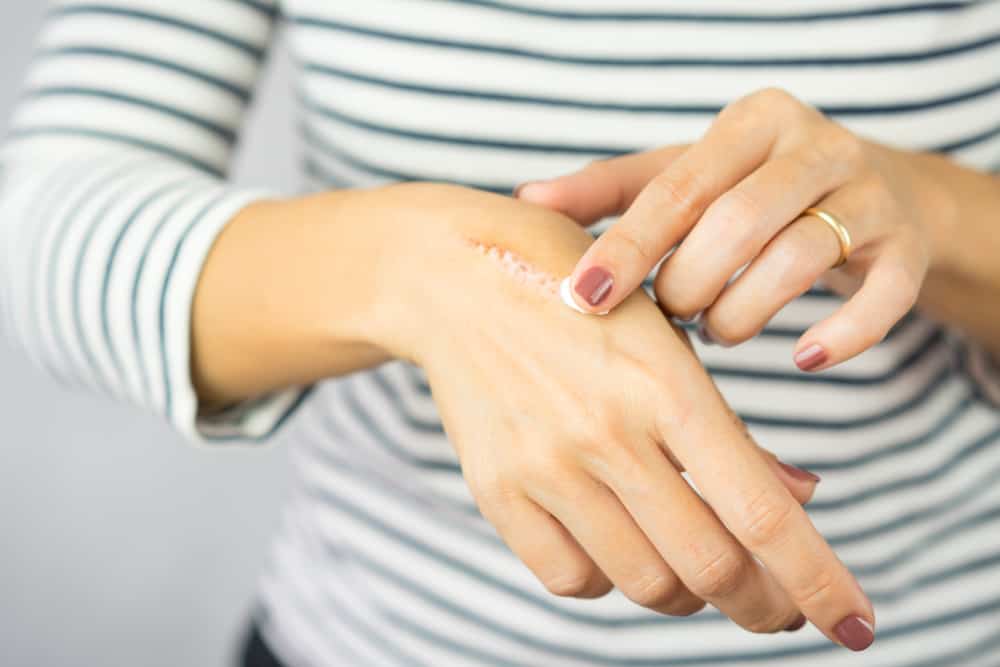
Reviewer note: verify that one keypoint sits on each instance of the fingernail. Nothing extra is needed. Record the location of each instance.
(703, 335)
(797, 624)
(811, 358)
(800, 474)
(855, 633)
(525, 188)
(594, 285)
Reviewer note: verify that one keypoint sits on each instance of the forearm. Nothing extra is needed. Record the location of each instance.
(963, 284)
(298, 290)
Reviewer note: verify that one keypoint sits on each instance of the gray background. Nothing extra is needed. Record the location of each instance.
(122, 545)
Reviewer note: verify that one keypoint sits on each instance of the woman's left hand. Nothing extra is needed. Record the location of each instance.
(737, 197)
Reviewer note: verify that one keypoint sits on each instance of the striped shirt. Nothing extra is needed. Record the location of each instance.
(114, 187)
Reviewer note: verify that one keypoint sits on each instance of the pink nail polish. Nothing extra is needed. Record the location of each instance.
(594, 285)
(800, 473)
(811, 358)
(855, 633)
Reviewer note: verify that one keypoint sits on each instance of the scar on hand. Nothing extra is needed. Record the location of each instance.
(517, 267)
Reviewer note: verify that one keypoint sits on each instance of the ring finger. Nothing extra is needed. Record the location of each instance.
(787, 267)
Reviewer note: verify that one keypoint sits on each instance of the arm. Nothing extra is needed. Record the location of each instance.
(963, 283)
(570, 430)
(113, 189)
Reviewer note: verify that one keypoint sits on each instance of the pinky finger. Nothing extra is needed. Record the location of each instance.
(887, 294)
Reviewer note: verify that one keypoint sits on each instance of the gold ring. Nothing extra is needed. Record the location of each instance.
(843, 236)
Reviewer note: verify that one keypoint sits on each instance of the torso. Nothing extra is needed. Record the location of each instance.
(383, 558)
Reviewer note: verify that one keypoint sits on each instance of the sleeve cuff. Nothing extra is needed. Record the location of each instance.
(252, 421)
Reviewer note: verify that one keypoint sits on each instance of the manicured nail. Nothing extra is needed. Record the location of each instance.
(800, 473)
(797, 624)
(594, 285)
(525, 189)
(811, 358)
(855, 633)
(703, 335)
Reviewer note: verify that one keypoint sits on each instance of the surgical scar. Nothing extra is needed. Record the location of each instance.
(517, 268)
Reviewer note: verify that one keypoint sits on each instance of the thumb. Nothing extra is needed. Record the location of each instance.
(602, 188)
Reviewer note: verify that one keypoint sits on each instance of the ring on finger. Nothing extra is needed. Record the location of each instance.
(843, 236)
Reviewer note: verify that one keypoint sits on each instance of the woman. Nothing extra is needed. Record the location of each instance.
(552, 525)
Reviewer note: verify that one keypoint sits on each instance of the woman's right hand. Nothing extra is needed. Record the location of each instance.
(573, 430)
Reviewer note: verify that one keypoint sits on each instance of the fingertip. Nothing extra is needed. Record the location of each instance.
(532, 191)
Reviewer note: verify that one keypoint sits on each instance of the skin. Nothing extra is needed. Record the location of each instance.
(572, 431)
(923, 227)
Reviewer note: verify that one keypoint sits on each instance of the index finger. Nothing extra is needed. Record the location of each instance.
(755, 506)
(671, 203)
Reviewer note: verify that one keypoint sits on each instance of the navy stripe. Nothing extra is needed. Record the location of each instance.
(112, 257)
(165, 292)
(743, 17)
(593, 151)
(961, 408)
(926, 543)
(704, 61)
(137, 281)
(927, 512)
(181, 156)
(52, 263)
(268, 9)
(79, 334)
(240, 92)
(246, 47)
(217, 129)
(705, 109)
(961, 657)
(966, 142)
(314, 140)
(56, 189)
(922, 480)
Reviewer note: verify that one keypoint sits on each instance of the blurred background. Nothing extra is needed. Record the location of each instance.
(122, 544)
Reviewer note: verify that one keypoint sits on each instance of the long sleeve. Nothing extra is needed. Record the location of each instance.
(112, 191)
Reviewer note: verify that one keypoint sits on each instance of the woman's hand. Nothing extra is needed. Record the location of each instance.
(737, 198)
(572, 431)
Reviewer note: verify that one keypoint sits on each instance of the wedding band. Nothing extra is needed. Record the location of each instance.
(843, 236)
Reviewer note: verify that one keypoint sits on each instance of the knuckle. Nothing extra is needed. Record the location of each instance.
(689, 605)
(652, 589)
(574, 582)
(816, 592)
(765, 519)
(720, 576)
(768, 623)
(680, 191)
(634, 244)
